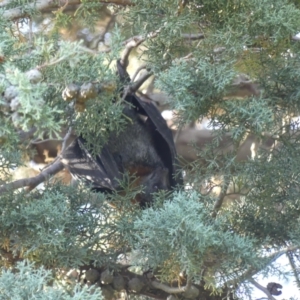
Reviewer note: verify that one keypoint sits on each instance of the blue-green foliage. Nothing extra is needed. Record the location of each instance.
(272, 205)
(182, 237)
(251, 115)
(203, 86)
(66, 227)
(63, 225)
(59, 63)
(29, 282)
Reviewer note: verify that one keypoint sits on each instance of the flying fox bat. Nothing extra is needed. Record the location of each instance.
(145, 149)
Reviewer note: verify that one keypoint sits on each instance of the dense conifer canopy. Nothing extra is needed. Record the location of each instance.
(232, 63)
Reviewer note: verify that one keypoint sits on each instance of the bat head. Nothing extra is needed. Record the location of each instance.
(153, 182)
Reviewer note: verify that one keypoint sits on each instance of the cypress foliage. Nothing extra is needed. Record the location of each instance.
(233, 62)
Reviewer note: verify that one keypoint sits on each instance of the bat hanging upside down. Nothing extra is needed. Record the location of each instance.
(144, 149)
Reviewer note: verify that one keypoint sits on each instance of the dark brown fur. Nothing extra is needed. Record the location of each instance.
(135, 152)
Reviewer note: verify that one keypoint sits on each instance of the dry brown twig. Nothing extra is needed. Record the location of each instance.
(50, 170)
(132, 43)
(62, 8)
(33, 182)
(169, 289)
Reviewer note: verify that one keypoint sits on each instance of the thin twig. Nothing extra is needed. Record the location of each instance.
(187, 57)
(66, 138)
(145, 97)
(33, 182)
(221, 197)
(177, 134)
(193, 36)
(169, 289)
(52, 63)
(263, 289)
(294, 267)
(129, 45)
(63, 147)
(252, 271)
(30, 32)
(133, 42)
(36, 142)
(50, 170)
(111, 21)
(61, 9)
(137, 71)
(93, 52)
(137, 84)
(41, 5)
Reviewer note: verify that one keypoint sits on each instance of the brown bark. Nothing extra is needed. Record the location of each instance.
(42, 5)
(33, 182)
(153, 288)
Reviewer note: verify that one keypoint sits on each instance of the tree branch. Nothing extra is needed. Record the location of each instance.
(33, 182)
(129, 45)
(132, 88)
(263, 289)
(137, 84)
(132, 43)
(252, 271)
(18, 12)
(169, 289)
(66, 138)
(289, 254)
(155, 289)
(137, 71)
(193, 36)
(221, 197)
(45, 174)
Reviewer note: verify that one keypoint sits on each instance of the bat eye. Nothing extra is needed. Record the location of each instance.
(156, 188)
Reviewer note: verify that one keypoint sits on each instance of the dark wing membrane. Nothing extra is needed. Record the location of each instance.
(101, 172)
(162, 136)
